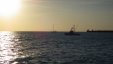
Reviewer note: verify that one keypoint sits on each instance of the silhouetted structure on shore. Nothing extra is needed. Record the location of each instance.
(99, 30)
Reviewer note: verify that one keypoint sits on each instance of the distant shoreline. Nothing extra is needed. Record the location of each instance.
(99, 30)
(63, 31)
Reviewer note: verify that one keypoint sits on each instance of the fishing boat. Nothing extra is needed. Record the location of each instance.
(72, 32)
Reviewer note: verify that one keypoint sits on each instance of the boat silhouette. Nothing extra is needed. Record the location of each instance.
(72, 32)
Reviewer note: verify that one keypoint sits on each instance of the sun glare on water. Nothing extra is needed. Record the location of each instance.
(9, 8)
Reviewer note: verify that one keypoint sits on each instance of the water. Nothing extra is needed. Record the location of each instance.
(55, 48)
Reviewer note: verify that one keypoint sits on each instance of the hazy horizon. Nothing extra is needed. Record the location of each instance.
(40, 15)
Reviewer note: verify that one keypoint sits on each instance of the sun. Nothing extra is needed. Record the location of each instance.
(9, 8)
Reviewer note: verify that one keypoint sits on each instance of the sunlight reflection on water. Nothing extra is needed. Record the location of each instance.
(8, 52)
(55, 48)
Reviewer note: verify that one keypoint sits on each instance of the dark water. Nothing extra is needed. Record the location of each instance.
(55, 48)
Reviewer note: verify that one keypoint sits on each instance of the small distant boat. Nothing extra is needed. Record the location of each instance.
(72, 32)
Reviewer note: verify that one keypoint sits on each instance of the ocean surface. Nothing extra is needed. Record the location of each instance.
(55, 48)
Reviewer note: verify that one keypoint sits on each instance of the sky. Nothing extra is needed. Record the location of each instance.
(40, 15)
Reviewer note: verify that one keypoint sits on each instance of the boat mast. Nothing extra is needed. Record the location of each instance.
(53, 28)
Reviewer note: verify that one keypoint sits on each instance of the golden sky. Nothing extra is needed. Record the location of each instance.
(40, 15)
